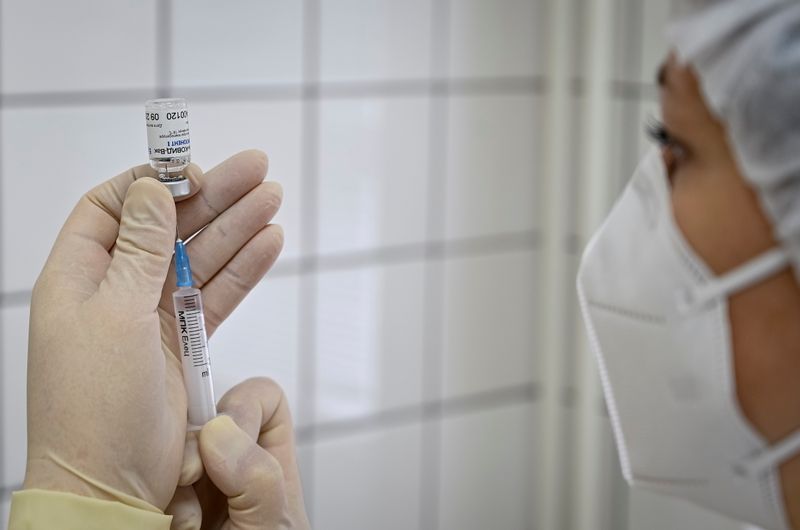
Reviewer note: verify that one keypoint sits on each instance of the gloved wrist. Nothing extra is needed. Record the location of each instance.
(43, 474)
(35, 509)
(52, 473)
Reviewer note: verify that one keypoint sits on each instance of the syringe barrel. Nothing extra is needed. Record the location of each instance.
(193, 345)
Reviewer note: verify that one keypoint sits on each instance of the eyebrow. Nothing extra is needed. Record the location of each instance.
(661, 75)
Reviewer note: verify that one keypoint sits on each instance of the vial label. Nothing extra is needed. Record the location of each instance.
(168, 133)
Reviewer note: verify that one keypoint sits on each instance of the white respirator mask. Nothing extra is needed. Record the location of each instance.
(657, 320)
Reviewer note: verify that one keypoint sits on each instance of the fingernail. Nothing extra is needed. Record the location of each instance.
(225, 437)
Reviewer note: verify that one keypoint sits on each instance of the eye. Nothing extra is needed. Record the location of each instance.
(672, 150)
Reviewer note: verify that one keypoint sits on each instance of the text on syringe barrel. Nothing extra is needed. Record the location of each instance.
(195, 360)
(191, 329)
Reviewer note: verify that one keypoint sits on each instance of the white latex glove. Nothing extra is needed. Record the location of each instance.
(251, 480)
(106, 402)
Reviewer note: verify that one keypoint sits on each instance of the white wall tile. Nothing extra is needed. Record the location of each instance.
(220, 130)
(641, 35)
(655, 45)
(497, 38)
(368, 481)
(489, 322)
(50, 158)
(487, 471)
(5, 510)
(260, 339)
(629, 140)
(249, 42)
(52, 46)
(380, 39)
(369, 340)
(14, 399)
(578, 43)
(305, 457)
(492, 157)
(373, 172)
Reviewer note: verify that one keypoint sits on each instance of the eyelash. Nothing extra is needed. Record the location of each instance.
(659, 134)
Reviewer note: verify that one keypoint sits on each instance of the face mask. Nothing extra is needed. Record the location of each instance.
(657, 320)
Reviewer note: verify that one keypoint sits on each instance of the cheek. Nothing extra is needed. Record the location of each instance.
(719, 216)
(700, 216)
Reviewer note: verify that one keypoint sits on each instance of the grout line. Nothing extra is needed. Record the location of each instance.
(432, 411)
(2, 272)
(434, 275)
(391, 255)
(634, 90)
(76, 98)
(410, 253)
(309, 90)
(464, 86)
(15, 299)
(307, 306)
(631, 122)
(621, 89)
(273, 92)
(5, 491)
(312, 90)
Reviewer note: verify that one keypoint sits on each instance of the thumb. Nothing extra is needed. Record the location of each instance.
(246, 474)
(143, 248)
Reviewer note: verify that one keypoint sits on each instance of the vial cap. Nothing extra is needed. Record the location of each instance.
(178, 188)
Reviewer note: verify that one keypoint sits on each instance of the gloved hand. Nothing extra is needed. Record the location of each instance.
(106, 401)
(251, 480)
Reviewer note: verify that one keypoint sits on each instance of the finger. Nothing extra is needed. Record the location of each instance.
(98, 212)
(221, 187)
(246, 474)
(143, 249)
(259, 406)
(192, 467)
(91, 229)
(212, 248)
(238, 277)
(185, 510)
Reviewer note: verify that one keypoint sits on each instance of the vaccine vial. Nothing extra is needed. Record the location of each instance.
(168, 144)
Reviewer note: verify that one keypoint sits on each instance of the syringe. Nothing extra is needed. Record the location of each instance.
(193, 343)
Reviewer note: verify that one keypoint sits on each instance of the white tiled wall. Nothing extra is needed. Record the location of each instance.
(14, 333)
(251, 42)
(50, 157)
(373, 185)
(644, 20)
(491, 179)
(220, 129)
(372, 41)
(496, 38)
(486, 464)
(260, 338)
(368, 311)
(489, 322)
(50, 46)
(350, 470)
(369, 340)
(5, 507)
